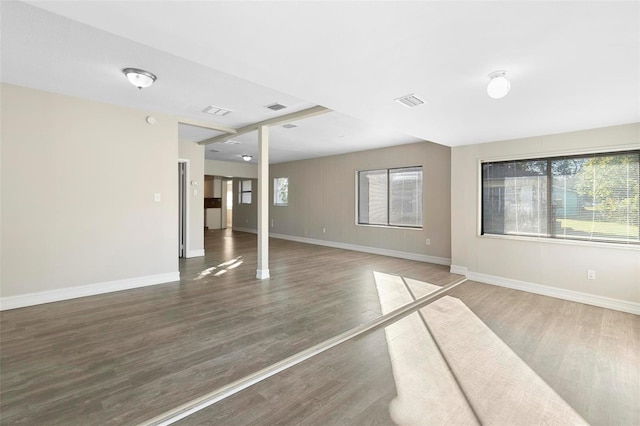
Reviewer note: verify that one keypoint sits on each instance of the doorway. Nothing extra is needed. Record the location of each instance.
(229, 204)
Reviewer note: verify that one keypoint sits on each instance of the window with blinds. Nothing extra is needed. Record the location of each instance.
(583, 197)
(244, 192)
(390, 197)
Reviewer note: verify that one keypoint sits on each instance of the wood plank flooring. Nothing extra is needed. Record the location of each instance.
(124, 357)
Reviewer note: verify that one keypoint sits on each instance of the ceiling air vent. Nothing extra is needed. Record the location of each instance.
(289, 126)
(276, 107)
(214, 110)
(230, 142)
(410, 101)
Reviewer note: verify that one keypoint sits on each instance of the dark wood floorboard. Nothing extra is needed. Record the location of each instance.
(124, 357)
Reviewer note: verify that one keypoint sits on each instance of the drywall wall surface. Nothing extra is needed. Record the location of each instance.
(322, 199)
(560, 265)
(230, 169)
(195, 194)
(79, 180)
(245, 216)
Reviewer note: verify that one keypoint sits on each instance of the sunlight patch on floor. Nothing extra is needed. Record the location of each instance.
(221, 268)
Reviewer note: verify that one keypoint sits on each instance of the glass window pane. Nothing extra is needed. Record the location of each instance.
(596, 198)
(514, 198)
(405, 191)
(372, 197)
(585, 197)
(281, 191)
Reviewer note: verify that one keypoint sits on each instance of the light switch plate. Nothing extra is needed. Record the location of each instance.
(156, 197)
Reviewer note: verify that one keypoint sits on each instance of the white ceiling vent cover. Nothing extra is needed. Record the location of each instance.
(214, 110)
(230, 142)
(410, 100)
(289, 126)
(276, 107)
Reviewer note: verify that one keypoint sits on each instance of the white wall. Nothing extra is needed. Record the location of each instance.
(195, 154)
(78, 185)
(559, 266)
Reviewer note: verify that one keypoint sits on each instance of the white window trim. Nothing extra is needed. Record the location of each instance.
(355, 186)
(546, 240)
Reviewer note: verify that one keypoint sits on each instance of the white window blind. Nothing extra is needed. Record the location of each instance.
(584, 197)
(391, 197)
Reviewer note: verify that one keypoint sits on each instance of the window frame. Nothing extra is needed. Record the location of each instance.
(551, 238)
(241, 192)
(275, 203)
(357, 199)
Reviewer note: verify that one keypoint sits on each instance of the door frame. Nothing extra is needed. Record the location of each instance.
(187, 193)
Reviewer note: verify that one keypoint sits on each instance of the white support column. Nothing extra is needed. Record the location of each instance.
(263, 203)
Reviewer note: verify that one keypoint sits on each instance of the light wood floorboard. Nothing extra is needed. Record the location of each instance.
(125, 357)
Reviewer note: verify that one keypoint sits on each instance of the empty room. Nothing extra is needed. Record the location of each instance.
(319, 213)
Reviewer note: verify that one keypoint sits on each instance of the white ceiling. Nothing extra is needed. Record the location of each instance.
(573, 65)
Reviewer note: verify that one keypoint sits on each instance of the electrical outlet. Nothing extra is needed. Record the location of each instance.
(272, 223)
(324, 230)
(591, 274)
(157, 197)
(428, 241)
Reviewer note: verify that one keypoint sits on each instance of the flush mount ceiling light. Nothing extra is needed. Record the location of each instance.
(499, 85)
(139, 78)
(246, 157)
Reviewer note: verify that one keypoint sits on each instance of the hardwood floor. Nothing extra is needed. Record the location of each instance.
(124, 357)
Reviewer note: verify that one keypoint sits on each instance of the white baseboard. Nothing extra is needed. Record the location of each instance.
(30, 299)
(460, 270)
(367, 249)
(558, 293)
(262, 274)
(194, 253)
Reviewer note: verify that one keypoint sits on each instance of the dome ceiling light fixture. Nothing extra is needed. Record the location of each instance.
(139, 78)
(499, 85)
(246, 157)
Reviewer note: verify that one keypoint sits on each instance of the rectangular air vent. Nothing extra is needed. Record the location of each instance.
(289, 126)
(410, 100)
(276, 107)
(214, 110)
(230, 142)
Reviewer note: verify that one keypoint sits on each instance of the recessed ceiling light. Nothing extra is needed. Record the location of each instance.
(246, 157)
(290, 126)
(276, 107)
(214, 110)
(499, 85)
(410, 100)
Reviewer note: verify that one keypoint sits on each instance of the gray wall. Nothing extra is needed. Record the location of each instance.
(245, 216)
(322, 194)
(561, 265)
(78, 185)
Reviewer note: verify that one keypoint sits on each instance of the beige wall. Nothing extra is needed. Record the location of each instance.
(195, 154)
(230, 169)
(322, 194)
(559, 265)
(78, 185)
(245, 216)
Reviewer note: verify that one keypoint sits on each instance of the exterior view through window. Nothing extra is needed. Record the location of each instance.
(390, 197)
(583, 197)
(281, 191)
